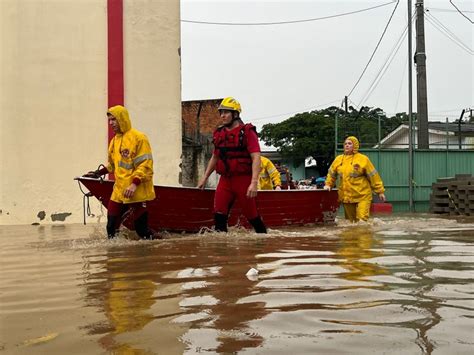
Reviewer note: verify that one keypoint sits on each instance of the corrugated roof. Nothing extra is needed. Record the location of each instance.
(452, 127)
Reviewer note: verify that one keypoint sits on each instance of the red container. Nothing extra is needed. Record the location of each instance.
(379, 207)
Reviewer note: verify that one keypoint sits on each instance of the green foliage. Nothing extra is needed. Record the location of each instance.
(311, 134)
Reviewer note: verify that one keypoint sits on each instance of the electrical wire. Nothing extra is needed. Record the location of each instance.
(291, 113)
(446, 28)
(285, 22)
(401, 85)
(385, 66)
(452, 3)
(448, 33)
(437, 9)
(375, 50)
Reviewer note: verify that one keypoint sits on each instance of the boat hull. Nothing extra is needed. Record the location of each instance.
(189, 209)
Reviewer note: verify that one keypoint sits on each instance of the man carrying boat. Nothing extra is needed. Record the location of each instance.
(236, 158)
(269, 178)
(131, 162)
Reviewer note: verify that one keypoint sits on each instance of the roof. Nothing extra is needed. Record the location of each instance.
(467, 129)
(452, 127)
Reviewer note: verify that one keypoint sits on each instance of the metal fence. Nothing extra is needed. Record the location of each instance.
(428, 165)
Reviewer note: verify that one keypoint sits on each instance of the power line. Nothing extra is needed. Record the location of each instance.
(290, 113)
(436, 9)
(449, 34)
(375, 50)
(448, 30)
(286, 22)
(452, 3)
(453, 110)
(401, 85)
(384, 67)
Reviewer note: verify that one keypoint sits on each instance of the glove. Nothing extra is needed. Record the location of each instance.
(92, 174)
(96, 173)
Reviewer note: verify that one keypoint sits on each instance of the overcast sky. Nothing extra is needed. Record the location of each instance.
(276, 71)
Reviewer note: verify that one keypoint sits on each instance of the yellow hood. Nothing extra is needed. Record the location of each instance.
(123, 119)
(355, 143)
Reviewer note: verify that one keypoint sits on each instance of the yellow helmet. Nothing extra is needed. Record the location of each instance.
(231, 104)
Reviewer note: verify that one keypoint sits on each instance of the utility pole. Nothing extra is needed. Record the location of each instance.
(410, 113)
(420, 61)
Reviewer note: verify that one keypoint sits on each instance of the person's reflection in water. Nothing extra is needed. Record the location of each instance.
(126, 294)
(232, 318)
(356, 244)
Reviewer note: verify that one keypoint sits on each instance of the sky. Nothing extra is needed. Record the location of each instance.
(276, 71)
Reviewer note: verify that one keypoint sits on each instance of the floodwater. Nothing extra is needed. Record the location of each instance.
(399, 285)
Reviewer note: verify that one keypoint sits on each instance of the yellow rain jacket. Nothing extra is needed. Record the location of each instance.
(130, 158)
(269, 175)
(358, 178)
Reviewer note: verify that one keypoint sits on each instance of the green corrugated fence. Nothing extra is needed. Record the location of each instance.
(428, 165)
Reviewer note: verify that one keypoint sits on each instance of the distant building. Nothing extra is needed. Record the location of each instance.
(199, 120)
(441, 136)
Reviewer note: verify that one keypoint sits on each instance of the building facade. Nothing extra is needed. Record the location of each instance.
(62, 63)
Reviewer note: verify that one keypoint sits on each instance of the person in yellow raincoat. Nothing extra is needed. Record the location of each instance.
(358, 178)
(269, 178)
(131, 162)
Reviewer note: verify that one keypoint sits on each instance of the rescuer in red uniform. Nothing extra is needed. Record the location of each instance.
(236, 159)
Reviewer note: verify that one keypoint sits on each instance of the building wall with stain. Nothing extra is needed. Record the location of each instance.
(200, 119)
(54, 96)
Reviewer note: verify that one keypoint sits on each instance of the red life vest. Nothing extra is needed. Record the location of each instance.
(234, 158)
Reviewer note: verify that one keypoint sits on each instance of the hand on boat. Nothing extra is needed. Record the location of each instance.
(382, 197)
(327, 188)
(128, 193)
(278, 188)
(252, 189)
(92, 174)
(202, 183)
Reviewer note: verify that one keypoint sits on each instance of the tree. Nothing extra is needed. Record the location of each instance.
(311, 134)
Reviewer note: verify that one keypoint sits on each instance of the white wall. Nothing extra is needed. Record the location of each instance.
(153, 80)
(53, 98)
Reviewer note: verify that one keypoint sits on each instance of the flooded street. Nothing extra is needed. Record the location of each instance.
(400, 285)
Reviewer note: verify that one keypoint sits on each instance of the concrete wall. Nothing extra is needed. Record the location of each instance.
(53, 99)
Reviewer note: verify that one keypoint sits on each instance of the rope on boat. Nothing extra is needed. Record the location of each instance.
(86, 208)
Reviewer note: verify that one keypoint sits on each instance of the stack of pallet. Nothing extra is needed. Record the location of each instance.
(453, 195)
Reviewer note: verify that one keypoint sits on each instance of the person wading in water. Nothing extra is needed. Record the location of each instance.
(358, 179)
(131, 162)
(236, 158)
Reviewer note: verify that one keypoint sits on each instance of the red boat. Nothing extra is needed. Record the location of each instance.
(189, 209)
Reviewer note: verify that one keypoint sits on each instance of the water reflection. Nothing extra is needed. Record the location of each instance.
(220, 322)
(357, 246)
(394, 286)
(124, 295)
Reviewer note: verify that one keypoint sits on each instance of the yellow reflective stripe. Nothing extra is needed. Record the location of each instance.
(354, 175)
(271, 171)
(124, 165)
(372, 173)
(332, 173)
(141, 158)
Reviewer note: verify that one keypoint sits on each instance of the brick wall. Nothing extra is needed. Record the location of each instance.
(208, 117)
(197, 146)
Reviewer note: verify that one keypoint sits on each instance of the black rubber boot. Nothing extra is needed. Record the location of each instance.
(111, 226)
(142, 229)
(220, 221)
(258, 225)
